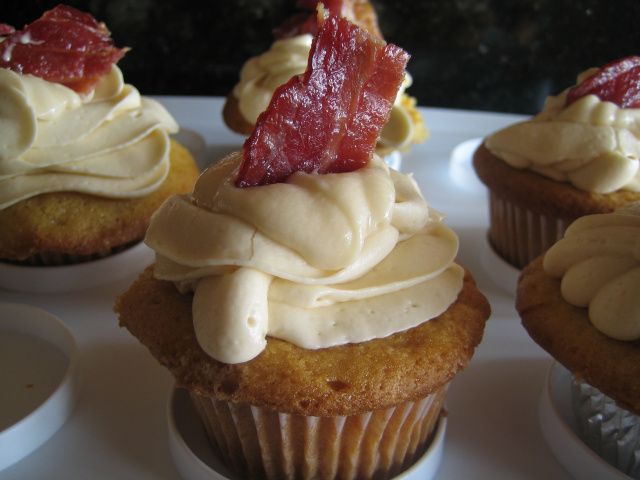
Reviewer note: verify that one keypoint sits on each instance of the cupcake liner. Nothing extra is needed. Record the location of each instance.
(262, 443)
(518, 234)
(610, 431)
(55, 259)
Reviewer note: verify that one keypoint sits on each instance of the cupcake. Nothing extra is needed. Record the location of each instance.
(85, 160)
(288, 56)
(304, 294)
(579, 301)
(579, 156)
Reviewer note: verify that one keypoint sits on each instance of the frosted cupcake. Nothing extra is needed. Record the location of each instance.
(305, 294)
(85, 159)
(580, 303)
(579, 156)
(260, 76)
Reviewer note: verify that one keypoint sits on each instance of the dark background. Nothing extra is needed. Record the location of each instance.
(492, 55)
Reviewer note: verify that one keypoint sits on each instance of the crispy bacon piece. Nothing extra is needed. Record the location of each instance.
(65, 45)
(617, 82)
(6, 29)
(328, 119)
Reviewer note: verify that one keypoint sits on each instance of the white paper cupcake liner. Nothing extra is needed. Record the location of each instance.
(261, 443)
(53, 259)
(612, 432)
(518, 234)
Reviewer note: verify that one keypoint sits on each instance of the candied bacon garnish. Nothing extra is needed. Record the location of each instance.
(6, 29)
(64, 45)
(617, 82)
(328, 119)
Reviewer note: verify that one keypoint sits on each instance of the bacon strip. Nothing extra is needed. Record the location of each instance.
(617, 82)
(65, 45)
(329, 119)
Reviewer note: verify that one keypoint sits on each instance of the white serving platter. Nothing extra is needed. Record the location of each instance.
(119, 428)
(39, 380)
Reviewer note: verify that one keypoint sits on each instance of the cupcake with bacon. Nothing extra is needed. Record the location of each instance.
(579, 156)
(304, 294)
(288, 57)
(84, 158)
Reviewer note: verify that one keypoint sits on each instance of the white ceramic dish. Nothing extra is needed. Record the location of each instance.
(500, 271)
(559, 430)
(38, 379)
(195, 460)
(461, 166)
(69, 278)
(119, 429)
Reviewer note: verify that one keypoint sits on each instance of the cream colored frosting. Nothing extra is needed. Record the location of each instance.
(113, 142)
(319, 261)
(592, 144)
(599, 262)
(261, 75)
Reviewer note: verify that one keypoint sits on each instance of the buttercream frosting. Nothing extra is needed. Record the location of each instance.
(599, 263)
(319, 261)
(592, 144)
(112, 142)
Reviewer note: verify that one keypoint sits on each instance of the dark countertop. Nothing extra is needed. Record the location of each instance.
(492, 55)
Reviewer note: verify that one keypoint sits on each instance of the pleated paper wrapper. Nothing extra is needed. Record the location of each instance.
(257, 442)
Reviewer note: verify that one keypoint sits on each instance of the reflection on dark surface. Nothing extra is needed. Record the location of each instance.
(497, 55)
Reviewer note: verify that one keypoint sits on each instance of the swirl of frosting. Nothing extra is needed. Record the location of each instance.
(599, 262)
(112, 143)
(320, 260)
(592, 144)
(261, 75)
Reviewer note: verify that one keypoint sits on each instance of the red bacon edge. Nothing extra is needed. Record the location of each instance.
(617, 82)
(328, 119)
(64, 45)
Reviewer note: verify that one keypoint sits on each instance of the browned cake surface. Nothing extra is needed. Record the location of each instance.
(343, 380)
(81, 224)
(567, 334)
(233, 118)
(543, 195)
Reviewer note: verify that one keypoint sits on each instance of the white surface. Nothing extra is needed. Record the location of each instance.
(559, 430)
(195, 460)
(81, 276)
(38, 379)
(118, 429)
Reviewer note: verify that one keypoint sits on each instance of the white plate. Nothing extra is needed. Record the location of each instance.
(69, 278)
(461, 166)
(499, 270)
(194, 457)
(559, 430)
(38, 379)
